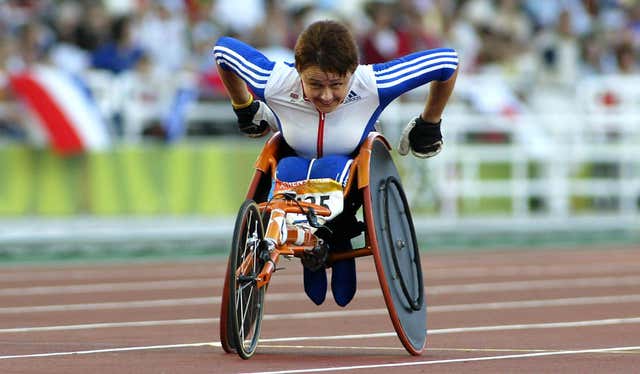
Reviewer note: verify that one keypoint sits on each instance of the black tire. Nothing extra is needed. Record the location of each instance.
(226, 325)
(246, 300)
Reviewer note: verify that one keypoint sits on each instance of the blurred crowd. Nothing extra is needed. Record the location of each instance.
(527, 42)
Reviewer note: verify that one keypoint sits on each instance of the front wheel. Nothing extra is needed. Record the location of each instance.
(246, 299)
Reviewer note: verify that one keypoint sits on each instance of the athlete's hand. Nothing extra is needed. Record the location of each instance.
(256, 119)
(423, 138)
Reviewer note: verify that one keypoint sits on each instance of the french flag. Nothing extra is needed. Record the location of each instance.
(64, 108)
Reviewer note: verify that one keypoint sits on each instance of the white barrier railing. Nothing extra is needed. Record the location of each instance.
(557, 170)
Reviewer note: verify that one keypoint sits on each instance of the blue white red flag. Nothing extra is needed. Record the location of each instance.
(64, 109)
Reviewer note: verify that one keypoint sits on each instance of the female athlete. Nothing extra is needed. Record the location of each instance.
(325, 104)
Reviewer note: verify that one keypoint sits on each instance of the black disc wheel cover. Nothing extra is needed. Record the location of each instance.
(398, 247)
(399, 268)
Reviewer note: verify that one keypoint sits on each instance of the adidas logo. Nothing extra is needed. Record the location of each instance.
(351, 97)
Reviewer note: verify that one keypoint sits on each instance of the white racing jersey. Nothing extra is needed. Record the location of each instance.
(311, 133)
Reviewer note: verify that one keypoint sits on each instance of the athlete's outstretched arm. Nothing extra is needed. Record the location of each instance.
(236, 87)
(422, 135)
(439, 94)
(243, 70)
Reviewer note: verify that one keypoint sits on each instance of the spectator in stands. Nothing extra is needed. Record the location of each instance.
(271, 36)
(65, 53)
(510, 20)
(560, 53)
(240, 17)
(203, 30)
(626, 58)
(9, 118)
(634, 24)
(143, 103)
(34, 38)
(571, 38)
(162, 33)
(93, 27)
(121, 52)
(384, 40)
(592, 55)
(462, 35)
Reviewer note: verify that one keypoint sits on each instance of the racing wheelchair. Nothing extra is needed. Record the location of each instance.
(262, 236)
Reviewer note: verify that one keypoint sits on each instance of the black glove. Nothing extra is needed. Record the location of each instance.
(423, 138)
(255, 119)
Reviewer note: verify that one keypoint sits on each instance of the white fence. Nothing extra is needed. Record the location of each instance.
(572, 170)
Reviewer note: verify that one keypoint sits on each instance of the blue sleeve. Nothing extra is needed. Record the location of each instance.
(247, 62)
(395, 77)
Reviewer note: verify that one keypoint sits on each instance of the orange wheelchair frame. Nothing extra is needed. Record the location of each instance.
(389, 237)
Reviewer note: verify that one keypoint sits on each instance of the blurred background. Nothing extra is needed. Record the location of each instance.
(116, 134)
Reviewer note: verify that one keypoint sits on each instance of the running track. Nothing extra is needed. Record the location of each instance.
(568, 311)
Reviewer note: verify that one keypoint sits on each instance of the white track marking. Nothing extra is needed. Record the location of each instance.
(110, 305)
(451, 361)
(529, 270)
(401, 349)
(110, 272)
(545, 284)
(547, 325)
(572, 324)
(113, 287)
(589, 300)
(455, 272)
(267, 317)
(431, 290)
(537, 303)
(110, 350)
(340, 347)
(109, 325)
(456, 330)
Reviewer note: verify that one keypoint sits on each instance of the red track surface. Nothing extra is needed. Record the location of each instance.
(514, 311)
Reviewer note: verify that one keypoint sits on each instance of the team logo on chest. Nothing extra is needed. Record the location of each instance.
(351, 97)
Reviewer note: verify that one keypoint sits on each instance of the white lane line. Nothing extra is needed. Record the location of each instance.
(429, 273)
(450, 361)
(456, 330)
(267, 317)
(334, 347)
(165, 285)
(110, 272)
(109, 325)
(570, 301)
(524, 285)
(110, 350)
(589, 300)
(113, 287)
(111, 305)
(570, 324)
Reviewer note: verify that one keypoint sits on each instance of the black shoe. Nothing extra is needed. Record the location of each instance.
(316, 258)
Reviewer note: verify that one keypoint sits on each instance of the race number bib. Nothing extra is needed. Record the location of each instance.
(325, 191)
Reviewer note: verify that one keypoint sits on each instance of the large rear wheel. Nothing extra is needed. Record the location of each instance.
(395, 249)
(246, 299)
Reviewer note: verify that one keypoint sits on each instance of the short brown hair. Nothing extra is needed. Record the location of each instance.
(328, 45)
